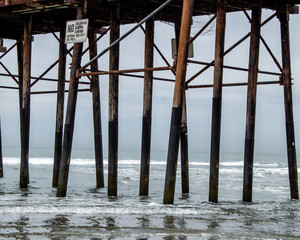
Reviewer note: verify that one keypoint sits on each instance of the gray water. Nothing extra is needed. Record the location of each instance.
(87, 212)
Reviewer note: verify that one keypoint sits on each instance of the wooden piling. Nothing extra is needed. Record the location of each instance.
(176, 117)
(217, 102)
(185, 185)
(96, 112)
(112, 188)
(59, 106)
(183, 133)
(251, 102)
(1, 157)
(288, 100)
(25, 104)
(20, 73)
(70, 116)
(20, 53)
(147, 110)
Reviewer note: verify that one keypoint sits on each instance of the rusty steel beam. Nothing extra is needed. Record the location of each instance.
(234, 84)
(288, 100)
(158, 50)
(8, 87)
(43, 79)
(170, 179)
(53, 92)
(96, 40)
(117, 41)
(229, 50)
(9, 73)
(271, 53)
(154, 78)
(251, 102)
(12, 47)
(125, 71)
(202, 29)
(217, 102)
(48, 69)
(234, 68)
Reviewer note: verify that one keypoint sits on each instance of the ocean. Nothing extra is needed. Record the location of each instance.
(87, 213)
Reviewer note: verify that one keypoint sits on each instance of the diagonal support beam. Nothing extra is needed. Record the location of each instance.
(117, 41)
(228, 50)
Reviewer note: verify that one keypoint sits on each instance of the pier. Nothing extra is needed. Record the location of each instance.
(21, 20)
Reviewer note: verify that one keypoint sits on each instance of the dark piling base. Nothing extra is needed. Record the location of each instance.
(215, 151)
(112, 189)
(184, 161)
(145, 157)
(172, 156)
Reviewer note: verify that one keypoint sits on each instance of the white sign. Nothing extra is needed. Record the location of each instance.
(76, 31)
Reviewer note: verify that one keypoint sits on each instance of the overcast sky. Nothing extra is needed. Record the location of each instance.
(270, 124)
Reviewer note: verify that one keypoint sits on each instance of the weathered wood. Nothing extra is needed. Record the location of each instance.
(70, 116)
(96, 112)
(59, 107)
(1, 158)
(217, 102)
(25, 104)
(185, 185)
(251, 102)
(20, 73)
(112, 188)
(147, 110)
(288, 100)
(176, 117)
(183, 132)
(20, 53)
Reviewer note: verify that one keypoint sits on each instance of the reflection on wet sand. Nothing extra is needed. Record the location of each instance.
(57, 225)
(21, 226)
